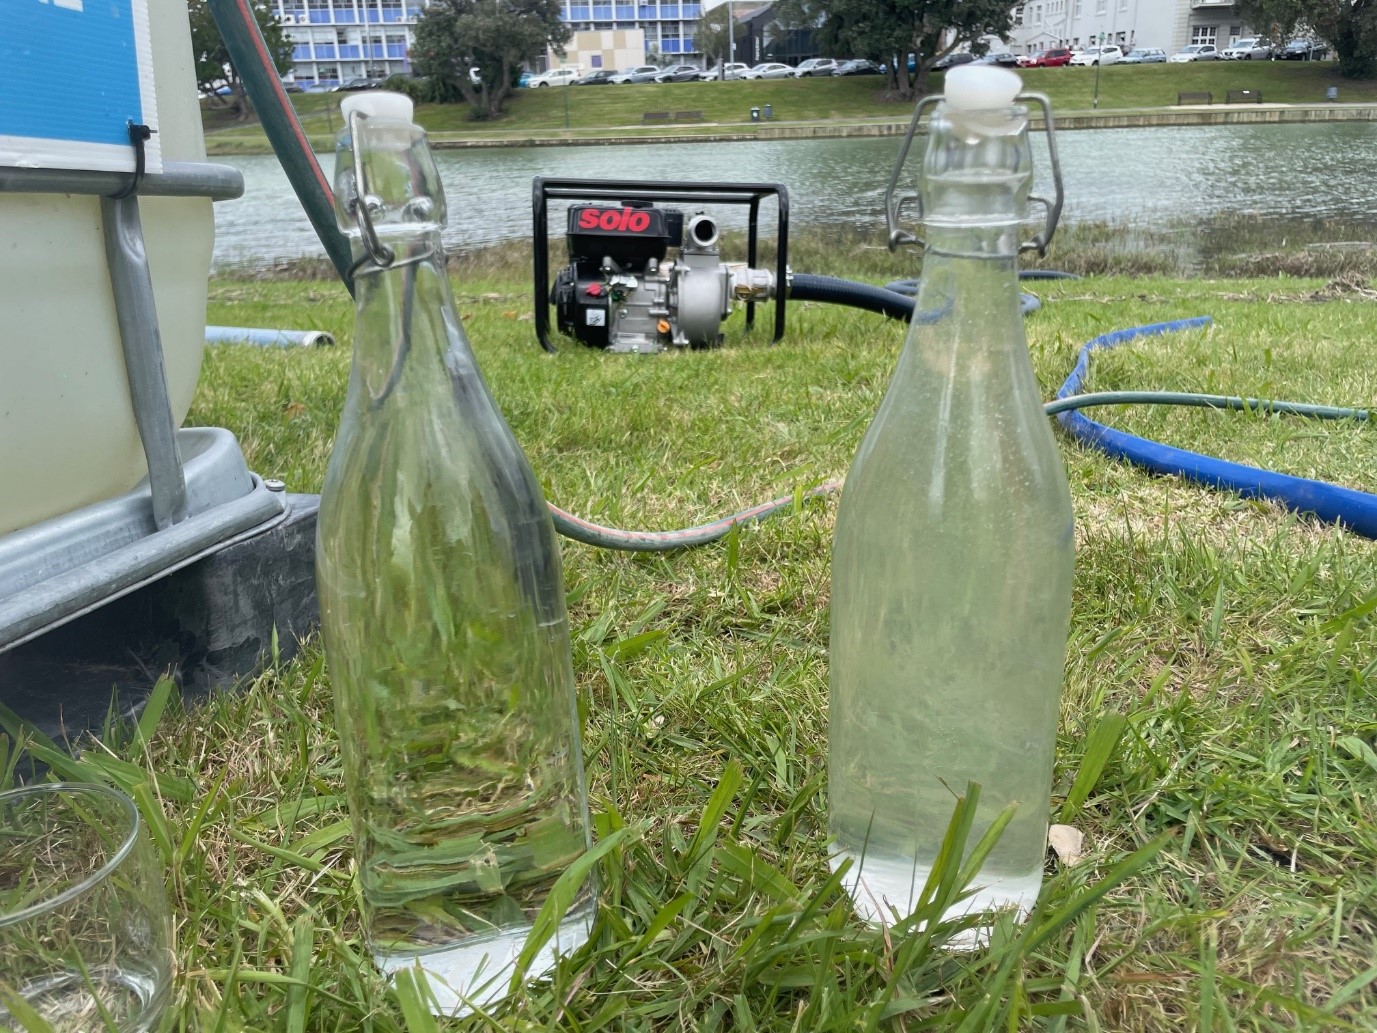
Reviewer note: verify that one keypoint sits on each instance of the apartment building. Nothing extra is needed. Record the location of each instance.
(1167, 24)
(667, 27)
(334, 41)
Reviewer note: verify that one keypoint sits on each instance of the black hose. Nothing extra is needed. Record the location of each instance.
(834, 291)
(894, 301)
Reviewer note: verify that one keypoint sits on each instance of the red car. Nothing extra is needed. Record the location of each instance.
(1053, 58)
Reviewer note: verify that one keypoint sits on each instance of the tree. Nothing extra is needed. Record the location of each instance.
(213, 68)
(892, 30)
(1349, 25)
(711, 35)
(474, 49)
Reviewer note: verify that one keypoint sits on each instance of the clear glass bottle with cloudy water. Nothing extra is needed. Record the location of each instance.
(952, 558)
(442, 607)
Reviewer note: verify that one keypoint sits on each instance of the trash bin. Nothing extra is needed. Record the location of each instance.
(755, 114)
(769, 112)
(1330, 94)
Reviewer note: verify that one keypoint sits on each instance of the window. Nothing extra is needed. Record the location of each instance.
(1076, 11)
(1101, 6)
(1018, 14)
(1123, 6)
(1037, 14)
(595, 61)
(1235, 31)
(1203, 34)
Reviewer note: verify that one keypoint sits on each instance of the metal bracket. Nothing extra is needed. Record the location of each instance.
(381, 255)
(142, 344)
(895, 198)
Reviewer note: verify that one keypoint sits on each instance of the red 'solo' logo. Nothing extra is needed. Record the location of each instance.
(615, 220)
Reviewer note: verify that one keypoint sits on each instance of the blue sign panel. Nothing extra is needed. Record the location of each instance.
(73, 75)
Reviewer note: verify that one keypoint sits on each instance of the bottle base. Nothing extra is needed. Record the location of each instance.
(886, 887)
(477, 973)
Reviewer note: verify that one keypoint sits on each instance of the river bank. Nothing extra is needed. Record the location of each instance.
(1134, 96)
(734, 132)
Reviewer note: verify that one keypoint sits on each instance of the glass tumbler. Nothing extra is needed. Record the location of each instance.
(85, 935)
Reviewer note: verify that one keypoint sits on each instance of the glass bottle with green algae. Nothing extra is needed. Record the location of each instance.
(442, 608)
(953, 551)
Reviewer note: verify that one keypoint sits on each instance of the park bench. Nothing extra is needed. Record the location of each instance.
(1195, 98)
(656, 117)
(1244, 97)
(688, 116)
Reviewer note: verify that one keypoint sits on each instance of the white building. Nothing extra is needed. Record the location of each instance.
(1165, 24)
(337, 40)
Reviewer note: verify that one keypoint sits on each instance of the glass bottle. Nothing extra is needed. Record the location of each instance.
(952, 556)
(442, 608)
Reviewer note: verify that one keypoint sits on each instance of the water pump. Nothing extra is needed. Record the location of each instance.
(623, 291)
(645, 275)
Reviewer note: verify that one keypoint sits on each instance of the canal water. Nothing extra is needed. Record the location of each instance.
(1175, 176)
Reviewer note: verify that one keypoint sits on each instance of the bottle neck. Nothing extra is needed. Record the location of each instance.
(968, 292)
(403, 319)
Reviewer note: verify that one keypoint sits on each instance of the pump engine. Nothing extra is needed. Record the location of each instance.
(622, 289)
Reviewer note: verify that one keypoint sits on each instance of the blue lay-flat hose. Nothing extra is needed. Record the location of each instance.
(1355, 510)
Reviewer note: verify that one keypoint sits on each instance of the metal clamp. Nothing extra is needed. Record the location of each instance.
(381, 255)
(896, 198)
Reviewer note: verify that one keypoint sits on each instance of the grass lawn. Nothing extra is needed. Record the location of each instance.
(803, 100)
(1222, 663)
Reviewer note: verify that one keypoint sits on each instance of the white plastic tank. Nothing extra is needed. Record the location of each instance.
(67, 433)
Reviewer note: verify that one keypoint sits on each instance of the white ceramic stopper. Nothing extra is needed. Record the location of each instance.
(981, 88)
(393, 107)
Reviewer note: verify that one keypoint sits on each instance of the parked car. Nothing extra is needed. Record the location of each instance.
(1144, 56)
(1002, 58)
(525, 79)
(1249, 49)
(858, 66)
(1056, 57)
(728, 70)
(1092, 56)
(1195, 52)
(768, 70)
(556, 77)
(599, 77)
(951, 61)
(679, 73)
(1304, 50)
(292, 87)
(359, 83)
(816, 66)
(641, 73)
